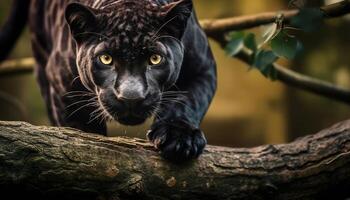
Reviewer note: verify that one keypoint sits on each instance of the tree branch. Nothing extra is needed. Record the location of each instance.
(218, 28)
(16, 67)
(61, 163)
(300, 81)
(312, 85)
(214, 27)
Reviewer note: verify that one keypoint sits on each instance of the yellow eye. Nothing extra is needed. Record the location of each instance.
(106, 59)
(155, 59)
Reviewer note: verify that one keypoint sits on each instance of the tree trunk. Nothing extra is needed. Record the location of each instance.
(61, 163)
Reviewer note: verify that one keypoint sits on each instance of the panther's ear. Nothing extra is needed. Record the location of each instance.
(81, 19)
(176, 15)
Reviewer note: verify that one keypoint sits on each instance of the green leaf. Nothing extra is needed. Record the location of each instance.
(263, 59)
(236, 34)
(285, 46)
(270, 31)
(308, 19)
(250, 42)
(235, 45)
(300, 48)
(270, 72)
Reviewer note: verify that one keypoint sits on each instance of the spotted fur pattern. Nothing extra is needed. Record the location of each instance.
(68, 76)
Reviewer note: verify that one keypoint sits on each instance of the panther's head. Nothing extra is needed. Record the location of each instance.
(128, 52)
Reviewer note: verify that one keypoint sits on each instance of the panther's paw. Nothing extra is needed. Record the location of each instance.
(177, 142)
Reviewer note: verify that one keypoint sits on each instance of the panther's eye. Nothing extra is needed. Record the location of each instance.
(106, 59)
(155, 59)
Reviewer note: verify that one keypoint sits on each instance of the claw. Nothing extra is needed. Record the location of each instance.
(177, 143)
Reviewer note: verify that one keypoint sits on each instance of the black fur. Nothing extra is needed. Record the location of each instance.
(81, 92)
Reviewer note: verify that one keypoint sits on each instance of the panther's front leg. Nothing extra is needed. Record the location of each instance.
(175, 131)
(177, 140)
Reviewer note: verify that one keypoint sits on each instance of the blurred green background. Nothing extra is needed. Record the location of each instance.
(248, 109)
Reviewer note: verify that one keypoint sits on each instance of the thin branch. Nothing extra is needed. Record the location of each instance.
(303, 82)
(312, 85)
(16, 66)
(214, 27)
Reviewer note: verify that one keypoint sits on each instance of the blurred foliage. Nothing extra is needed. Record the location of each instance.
(247, 109)
(277, 38)
(308, 19)
(235, 44)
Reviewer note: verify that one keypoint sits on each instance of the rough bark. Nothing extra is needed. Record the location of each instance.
(61, 163)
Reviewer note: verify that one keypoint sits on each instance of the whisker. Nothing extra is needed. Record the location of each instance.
(77, 92)
(104, 109)
(168, 36)
(156, 114)
(174, 95)
(96, 117)
(81, 107)
(80, 95)
(175, 92)
(98, 113)
(78, 102)
(76, 78)
(98, 109)
(162, 26)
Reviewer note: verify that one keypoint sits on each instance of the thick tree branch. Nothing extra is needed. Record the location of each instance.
(64, 163)
(61, 163)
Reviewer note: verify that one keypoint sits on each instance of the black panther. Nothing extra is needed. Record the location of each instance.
(122, 60)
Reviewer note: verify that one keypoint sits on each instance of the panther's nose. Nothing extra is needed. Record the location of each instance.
(131, 91)
(131, 96)
(130, 101)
